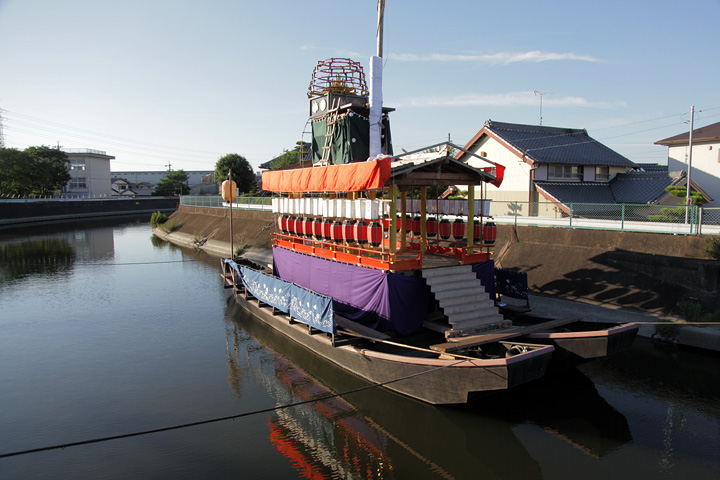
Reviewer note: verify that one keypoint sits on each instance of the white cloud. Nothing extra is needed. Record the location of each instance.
(495, 58)
(511, 99)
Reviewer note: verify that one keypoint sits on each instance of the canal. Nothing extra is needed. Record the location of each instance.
(106, 331)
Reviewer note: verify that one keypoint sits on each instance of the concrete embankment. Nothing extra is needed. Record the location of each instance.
(621, 274)
(19, 212)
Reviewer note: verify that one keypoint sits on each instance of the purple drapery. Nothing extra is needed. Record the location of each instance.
(486, 273)
(383, 301)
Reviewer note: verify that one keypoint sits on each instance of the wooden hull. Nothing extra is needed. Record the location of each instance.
(585, 341)
(432, 380)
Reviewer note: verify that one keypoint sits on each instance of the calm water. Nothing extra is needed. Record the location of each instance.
(104, 331)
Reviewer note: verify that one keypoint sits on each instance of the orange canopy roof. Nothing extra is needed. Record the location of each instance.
(349, 177)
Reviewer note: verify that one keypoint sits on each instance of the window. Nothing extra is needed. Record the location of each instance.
(565, 172)
(76, 164)
(602, 174)
(78, 182)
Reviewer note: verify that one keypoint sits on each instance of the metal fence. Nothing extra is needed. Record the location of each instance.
(674, 219)
(216, 201)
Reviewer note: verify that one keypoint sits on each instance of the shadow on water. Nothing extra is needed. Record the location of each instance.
(663, 371)
(382, 429)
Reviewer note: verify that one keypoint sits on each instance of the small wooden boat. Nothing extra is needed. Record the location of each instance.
(579, 341)
(575, 342)
(405, 364)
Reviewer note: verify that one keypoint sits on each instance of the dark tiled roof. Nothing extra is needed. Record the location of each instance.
(702, 134)
(642, 187)
(635, 187)
(558, 145)
(567, 192)
(652, 167)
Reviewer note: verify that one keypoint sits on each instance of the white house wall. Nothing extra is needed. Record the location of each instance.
(705, 166)
(516, 183)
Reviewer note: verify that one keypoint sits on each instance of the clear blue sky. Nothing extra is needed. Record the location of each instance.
(185, 82)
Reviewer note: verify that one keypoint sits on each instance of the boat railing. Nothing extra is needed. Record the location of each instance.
(409, 258)
(356, 255)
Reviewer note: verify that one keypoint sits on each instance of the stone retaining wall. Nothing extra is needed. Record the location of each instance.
(626, 269)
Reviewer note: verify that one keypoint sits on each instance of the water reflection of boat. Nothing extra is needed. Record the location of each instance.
(469, 441)
(376, 431)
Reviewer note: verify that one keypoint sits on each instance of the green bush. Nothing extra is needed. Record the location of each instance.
(239, 249)
(171, 226)
(690, 309)
(712, 248)
(157, 219)
(694, 312)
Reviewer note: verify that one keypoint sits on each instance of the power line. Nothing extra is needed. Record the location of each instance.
(110, 264)
(222, 419)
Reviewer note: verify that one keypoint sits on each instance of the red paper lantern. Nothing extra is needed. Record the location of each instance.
(416, 227)
(317, 228)
(431, 227)
(348, 231)
(444, 229)
(375, 234)
(490, 233)
(327, 230)
(337, 231)
(458, 229)
(360, 232)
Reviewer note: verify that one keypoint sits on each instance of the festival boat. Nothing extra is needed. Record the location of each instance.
(372, 269)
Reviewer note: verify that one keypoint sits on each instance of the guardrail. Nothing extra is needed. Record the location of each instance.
(672, 219)
(216, 201)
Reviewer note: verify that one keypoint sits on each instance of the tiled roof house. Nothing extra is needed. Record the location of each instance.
(705, 158)
(563, 166)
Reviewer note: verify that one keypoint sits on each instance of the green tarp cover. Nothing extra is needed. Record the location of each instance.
(351, 141)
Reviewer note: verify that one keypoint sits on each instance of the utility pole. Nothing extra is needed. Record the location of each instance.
(169, 167)
(689, 169)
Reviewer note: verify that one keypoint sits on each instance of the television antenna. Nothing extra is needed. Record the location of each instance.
(540, 94)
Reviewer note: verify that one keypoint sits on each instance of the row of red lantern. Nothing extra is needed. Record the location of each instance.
(347, 231)
(486, 232)
(360, 232)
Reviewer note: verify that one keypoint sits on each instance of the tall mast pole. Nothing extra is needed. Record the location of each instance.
(376, 88)
(689, 169)
(381, 14)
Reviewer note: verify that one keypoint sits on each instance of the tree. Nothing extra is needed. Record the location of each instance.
(242, 172)
(35, 171)
(175, 183)
(678, 214)
(291, 157)
(288, 157)
(695, 197)
(52, 167)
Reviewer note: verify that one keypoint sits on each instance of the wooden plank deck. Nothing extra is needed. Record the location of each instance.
(477, 340)
(352, 327)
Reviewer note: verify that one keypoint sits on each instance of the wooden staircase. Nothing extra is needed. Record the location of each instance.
(463, 302)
